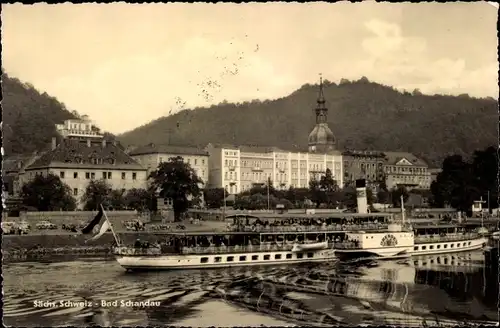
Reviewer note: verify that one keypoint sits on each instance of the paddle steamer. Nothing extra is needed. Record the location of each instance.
(249, 243)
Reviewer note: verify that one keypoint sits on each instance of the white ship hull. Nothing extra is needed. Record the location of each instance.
(207, 261)
(430, 248)
(458, 246)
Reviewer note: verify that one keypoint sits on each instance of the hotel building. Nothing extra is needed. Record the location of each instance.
(150, 156)
(82, 155)
(407, 170)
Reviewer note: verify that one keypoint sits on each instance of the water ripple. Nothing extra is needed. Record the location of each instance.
(330, 294)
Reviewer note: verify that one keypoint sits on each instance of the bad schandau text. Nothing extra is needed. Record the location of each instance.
(101, 303)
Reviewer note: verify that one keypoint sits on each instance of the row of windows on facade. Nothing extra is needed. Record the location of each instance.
(368, 166)
(348, 175)
(409, 177)
(258, 176)
(91, 175)
(399, 169)
(279, 165)
(188, 161)
(75, 191)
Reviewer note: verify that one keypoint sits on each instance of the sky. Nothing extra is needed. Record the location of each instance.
(127, 64)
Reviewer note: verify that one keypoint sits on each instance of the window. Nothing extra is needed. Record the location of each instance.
(255, 257)
(61, 174)
(75, 175)
(134, 176)
(415, 248)
(203, 162)
(451, 246)
(123, 175)
(104, 175)
(267, 257)
(469, 243)
(277, 257)
(217, 259)
(300, 255)
(309, 255)
(204, 260)
(431, 247)
(75, 191)
(195, 161)
(438, 246)
(288, 256)
(109, 175)
(92, 175)
(87, 175)
(230, 259)
(458, 244)
(243, 258)
(424, 247)
(445, 246)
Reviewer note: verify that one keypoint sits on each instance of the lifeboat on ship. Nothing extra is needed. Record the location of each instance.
(309, 247)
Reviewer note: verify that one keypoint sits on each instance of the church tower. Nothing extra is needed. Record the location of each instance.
(321, 138)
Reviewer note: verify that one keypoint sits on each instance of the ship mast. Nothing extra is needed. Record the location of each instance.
(402, 210)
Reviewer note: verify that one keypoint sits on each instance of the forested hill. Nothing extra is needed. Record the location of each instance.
(362, 115)
(28, 117)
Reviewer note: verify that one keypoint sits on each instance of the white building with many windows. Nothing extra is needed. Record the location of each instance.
(151, 155)
(239, 168)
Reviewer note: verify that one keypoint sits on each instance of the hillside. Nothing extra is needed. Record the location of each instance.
(362, 115)
(28, 117)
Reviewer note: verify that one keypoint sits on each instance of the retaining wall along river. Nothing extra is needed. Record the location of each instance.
(21, 246)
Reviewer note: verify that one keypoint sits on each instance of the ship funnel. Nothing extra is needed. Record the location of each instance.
(361, 196)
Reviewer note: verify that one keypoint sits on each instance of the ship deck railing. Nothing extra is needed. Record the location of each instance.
(236, 249)
(448, 238)
(346, 245)
(311, 228)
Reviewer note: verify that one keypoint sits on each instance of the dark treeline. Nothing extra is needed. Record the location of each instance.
(462, 181)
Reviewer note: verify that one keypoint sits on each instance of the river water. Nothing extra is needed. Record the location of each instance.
(450, 289)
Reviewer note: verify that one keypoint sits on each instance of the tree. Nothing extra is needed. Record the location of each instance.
(460, 183)
(396, 194)
(349, 198)
(297, 196)
(139, 199)
(117, 200)
(48, 193)
(383, 196)
(214, 197)
(327, 183)
(97, 192)
(178, 181)
(318, 196)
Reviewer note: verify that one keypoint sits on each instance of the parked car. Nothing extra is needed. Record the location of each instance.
(42, 225)
(8, 228)
(134, 225)
(24, 225)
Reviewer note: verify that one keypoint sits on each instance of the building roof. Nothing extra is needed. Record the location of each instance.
(167, 149)
(78, 153)
(393, 157)
(268, 149)
(15, 163)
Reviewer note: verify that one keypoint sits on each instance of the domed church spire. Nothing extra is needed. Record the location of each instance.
(321, 138)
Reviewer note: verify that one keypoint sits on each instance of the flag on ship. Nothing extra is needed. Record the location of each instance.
(98, 218)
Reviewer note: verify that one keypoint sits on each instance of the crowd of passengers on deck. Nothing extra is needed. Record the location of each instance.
(178, 244)
(304, 224)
